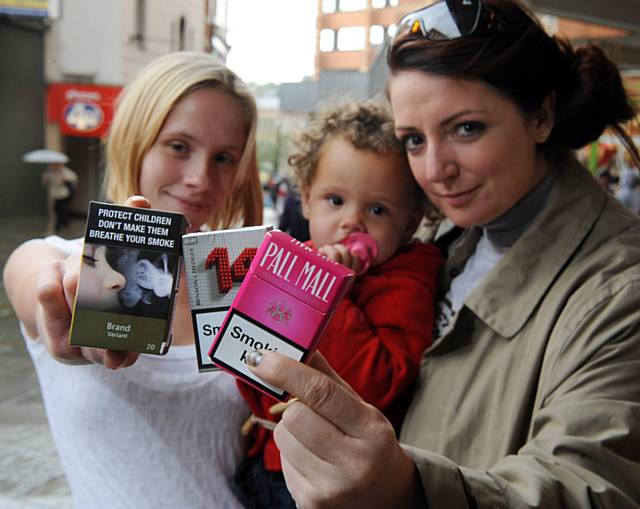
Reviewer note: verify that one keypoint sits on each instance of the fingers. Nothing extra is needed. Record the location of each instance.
(299, 487)
(340, 253)
(70, 273)
(51, 293)
(138, 201)
(322, 393)
(53, 316)
(312, 433)
(318, 362)
(114, 359)
(280, 407)
(57, 284)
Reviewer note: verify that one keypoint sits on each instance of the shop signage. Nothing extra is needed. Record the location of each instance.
(81, 110)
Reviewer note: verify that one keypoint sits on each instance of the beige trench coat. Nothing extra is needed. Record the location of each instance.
(533, 397)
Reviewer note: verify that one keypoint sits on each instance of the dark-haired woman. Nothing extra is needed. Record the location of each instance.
(530, 396)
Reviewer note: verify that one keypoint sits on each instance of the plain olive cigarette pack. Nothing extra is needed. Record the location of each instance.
(128, 279)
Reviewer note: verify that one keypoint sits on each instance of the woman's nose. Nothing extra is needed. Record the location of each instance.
(198, 173)
(114, 280)
(439, 164)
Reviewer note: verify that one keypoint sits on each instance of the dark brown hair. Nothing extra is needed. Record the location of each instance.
(517, 57)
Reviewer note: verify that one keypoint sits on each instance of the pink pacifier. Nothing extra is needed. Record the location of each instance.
(364, 247)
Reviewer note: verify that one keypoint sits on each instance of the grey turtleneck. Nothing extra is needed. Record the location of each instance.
(506, 229)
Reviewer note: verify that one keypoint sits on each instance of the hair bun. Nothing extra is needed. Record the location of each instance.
(591, 99)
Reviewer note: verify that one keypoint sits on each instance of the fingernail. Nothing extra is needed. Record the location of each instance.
(254, 358)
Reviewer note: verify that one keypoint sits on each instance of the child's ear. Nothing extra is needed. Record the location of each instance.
(304, 199)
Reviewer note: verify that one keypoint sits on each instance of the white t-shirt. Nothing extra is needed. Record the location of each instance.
(485, 257)
(157, 434)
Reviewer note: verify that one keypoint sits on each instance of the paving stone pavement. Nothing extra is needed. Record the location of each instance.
(30, 473)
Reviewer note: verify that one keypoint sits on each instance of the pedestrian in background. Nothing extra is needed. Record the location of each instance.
(628, 191)
(60, 183)
(291, 220)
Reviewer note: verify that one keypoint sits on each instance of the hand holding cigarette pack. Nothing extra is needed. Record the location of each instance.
(284, 305)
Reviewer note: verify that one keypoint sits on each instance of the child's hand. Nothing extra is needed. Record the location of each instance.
(340, 253)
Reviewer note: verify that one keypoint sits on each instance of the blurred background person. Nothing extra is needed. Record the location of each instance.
(628, 191)
(60, 182)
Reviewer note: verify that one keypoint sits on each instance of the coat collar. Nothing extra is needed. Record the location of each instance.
(514, 288)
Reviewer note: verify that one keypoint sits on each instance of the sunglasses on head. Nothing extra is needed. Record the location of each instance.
(444, 20)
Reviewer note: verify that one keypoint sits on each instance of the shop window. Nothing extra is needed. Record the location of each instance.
(329, 5)
(376, 35)
(140, 22)
(352, 5)
(182, 31)
(327, 39)
(351, 38)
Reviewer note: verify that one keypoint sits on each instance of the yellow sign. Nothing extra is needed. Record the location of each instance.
(25, 7)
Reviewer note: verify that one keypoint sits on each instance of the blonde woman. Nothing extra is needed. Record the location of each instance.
(148, 431)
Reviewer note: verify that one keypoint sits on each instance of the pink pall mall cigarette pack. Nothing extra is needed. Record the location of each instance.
(284, 304)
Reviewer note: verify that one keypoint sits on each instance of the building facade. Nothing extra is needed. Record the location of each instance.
(350, 42)
(65, 64)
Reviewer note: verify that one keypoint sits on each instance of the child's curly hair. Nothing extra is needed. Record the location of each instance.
(366, 124)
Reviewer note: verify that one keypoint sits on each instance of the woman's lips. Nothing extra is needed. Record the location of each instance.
(190, 204)
(458, 199)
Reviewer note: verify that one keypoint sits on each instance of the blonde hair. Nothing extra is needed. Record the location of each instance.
(141, 111)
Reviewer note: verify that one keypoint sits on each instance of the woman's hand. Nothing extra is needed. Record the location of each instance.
(336, 450)
(56, 289)
(57, 284)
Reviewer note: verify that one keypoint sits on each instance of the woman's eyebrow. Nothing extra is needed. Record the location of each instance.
(448, 120)
(179, 134)
(452, 118)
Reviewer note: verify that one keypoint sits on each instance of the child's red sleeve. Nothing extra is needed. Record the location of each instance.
(377, 337)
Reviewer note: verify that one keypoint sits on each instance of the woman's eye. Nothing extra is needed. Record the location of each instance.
(335, 200)
(226, 159)
(412, 142)
(179, 147)
(89, 260)
(378, 210)
(468, 129)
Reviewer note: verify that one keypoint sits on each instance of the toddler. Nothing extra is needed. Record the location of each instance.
(354, 178)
